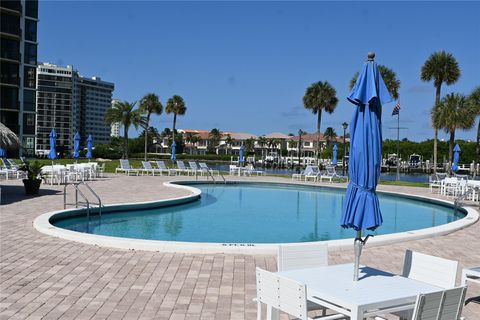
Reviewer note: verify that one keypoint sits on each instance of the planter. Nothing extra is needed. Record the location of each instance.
(32, 186)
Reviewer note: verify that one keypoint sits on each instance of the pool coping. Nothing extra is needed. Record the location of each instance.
(43, 225)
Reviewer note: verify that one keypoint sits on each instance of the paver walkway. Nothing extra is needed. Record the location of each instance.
(43, 277)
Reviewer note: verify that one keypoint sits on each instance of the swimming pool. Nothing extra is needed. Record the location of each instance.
(258, 213)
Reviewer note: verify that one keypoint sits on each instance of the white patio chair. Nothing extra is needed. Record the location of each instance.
(126, 168)
(163, 168)
(204, 167)
(283, 294)
(101, 170)
(301, 256)
(440, 305)
(433, 270)
(435, 181)
(437, 271)
(9, 169)
(233, 169)
(147, 167)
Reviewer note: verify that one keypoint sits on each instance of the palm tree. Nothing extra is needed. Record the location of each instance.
(124, 113)
(441, 67)
(474, 103)
(215, 136)
(150, 104)
(330, 135)
(318, 97)
(389, 77)
(450, 114)
(192, 138)
(250, 145)
(229, 141)
(177, 106)
(262, 142)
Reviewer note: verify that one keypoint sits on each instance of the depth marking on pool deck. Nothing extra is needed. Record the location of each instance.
(42, 224)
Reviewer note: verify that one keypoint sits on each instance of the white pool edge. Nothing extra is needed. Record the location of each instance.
(43, 225)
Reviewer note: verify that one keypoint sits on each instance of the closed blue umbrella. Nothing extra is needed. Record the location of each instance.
(52, 155)
(174, 151)
(89, 147)
(361, 210)
(241, 160)
(76, 146)
(3, 153)
(334, 157)
(456, 157)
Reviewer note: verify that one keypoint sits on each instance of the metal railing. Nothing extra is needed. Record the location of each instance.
(86, 203)
(459, 200)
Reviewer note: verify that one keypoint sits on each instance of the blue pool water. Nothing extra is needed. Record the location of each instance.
(259, 213)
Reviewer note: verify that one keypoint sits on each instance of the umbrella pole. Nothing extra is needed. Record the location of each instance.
(357, 246)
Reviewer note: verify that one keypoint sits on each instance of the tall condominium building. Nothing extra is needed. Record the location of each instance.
(70, 103)
(115, 132)
(54, 107)
(18, 59)
(92, 98)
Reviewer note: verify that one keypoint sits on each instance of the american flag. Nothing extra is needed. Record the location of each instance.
(396, 110)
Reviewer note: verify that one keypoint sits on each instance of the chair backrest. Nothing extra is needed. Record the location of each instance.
(462, 176)
(440, 305)
(281, 293)
(315, 170)
(301, 256)
(203, 165)
(308, 170)
(437, 271)
(147, 165)
(180, 164)
(193, 165)
(12, 164)
(330, 171)
(161, 165)
(124, 164)
(440, 176)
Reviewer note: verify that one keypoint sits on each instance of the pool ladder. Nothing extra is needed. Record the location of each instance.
(211, 176)
(85, 203)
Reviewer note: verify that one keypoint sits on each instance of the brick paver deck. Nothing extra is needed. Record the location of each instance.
(43, 277)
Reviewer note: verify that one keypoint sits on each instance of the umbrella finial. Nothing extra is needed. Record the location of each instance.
(371, 56)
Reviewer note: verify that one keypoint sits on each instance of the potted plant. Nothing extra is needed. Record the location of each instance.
(34, 177)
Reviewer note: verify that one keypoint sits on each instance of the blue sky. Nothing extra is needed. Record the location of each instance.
(244, 66)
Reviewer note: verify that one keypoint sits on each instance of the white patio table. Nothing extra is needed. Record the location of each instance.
(375, 293)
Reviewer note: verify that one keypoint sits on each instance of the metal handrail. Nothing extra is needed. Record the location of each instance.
(86, 202)
(96, 196)
(221, 175)
(77, 191)
(211, 175)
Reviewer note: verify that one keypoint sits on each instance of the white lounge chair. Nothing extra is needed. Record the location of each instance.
(283, 294)
(250, 170)
(8, 170)
(204, 167)
(440, 305)
(194, 168)
(301, 174)
(182, 168)
(126, 168)
(163, 168)
(313, 174)
(147, 167)
(328, 174)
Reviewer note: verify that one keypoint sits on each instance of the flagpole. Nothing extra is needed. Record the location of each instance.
(398, 142)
